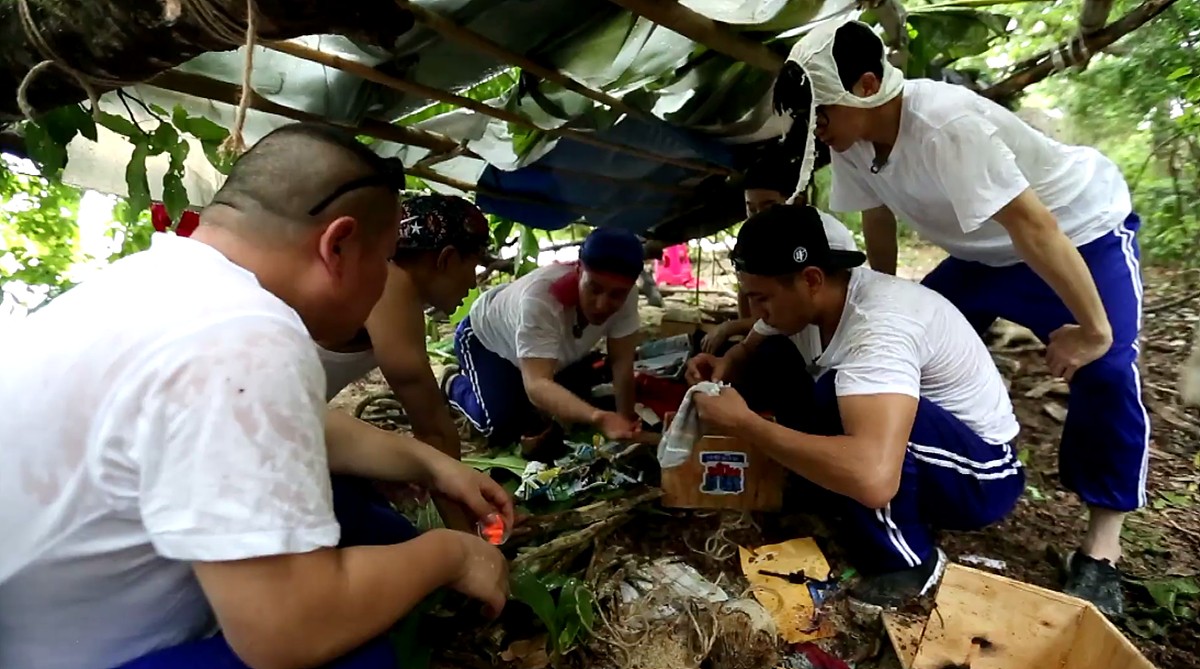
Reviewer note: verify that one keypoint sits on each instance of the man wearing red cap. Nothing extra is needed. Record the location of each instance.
(520, 335)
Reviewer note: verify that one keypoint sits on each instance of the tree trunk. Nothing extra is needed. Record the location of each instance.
(1039, 67)
(131, 40)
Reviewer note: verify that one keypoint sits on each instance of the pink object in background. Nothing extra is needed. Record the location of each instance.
(675, 268)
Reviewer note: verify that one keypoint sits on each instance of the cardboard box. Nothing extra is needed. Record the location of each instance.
(984, 621)
(724, 473)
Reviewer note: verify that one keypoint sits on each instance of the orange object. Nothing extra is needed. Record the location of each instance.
(493, 529)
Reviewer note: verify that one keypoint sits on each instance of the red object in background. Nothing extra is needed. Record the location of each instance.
(161, 220)
(661, 395)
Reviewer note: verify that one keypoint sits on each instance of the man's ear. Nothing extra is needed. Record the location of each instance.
(813, 278)
(868, 85)
(334, 241)
(444, 258)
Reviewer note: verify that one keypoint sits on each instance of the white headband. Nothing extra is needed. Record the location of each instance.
(814, 54)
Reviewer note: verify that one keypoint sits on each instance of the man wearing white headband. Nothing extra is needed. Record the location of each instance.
(1038, 232)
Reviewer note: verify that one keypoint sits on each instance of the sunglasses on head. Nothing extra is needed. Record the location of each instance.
(391, 176)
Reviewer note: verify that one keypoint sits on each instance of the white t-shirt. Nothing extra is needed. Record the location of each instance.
(523, 320)
(169, 410)
(839, 236)
(960, 158)
(344, 368)
(897, 336)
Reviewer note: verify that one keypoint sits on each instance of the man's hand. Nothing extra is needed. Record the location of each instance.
(483, 575)
(705, 367)
(713, 340)
(474, 490)
(1072, 347)
(616, 427)
(725, 413)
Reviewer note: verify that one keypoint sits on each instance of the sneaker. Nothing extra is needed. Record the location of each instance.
(892, 590)
(1097, 581)
(448, 375)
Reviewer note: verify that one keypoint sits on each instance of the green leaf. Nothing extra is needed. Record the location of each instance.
(1179, 73)
(1034, 494)
(50, 156)
(408, 642)
(175, 197)
(199, 127)
(465, 308)
(576, 602)
(212, 151)
(1165, 591)
(163, 138)
(501, 229)
(136, 181)
(526, 260)
(512, 463)
(527, 589)
(566, 638)
(119, 125)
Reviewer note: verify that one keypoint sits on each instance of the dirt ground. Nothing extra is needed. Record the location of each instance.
(1161, 540)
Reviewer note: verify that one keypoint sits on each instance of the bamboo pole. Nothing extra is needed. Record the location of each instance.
(371, 74)
(452, 31)
(701, 29)
(219, 91)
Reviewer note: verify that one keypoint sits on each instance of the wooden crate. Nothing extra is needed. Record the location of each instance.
(985, 621)
(724, 473)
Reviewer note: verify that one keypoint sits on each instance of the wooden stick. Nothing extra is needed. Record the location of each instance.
(371, 74)
(219, 91)
(700, 28)
(534, 556)
(451, 30)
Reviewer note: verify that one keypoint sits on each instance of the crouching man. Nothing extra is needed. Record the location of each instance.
(520, 335)
(910, 424)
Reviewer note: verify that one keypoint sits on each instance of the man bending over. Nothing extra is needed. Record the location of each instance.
(440, 241)
(518, 336)
(167, 466)
(910, 426)
(1038, 232)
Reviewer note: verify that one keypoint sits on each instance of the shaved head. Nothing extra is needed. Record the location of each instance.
(311, 212)
(305, 174)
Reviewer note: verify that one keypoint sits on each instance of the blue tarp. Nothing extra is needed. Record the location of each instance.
(620, 190)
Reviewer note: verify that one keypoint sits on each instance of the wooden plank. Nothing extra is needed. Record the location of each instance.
(986, 621)
(905, 632)
(1098, 644)
(700, 28)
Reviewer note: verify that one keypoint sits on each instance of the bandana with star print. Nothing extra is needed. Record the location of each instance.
(433, 222)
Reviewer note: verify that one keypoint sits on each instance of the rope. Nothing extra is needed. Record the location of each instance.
(235, 144)
(51, 59)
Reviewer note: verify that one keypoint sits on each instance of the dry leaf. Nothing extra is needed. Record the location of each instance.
(1055, 410)
(1049, 386)
(527, 653)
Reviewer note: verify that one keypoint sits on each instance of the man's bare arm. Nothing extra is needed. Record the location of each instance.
(358, 448)
(1043, 246)
(879, 234)
(303, 610)
(621, 352)
(864, 464)
(546, 394)
(397, 334)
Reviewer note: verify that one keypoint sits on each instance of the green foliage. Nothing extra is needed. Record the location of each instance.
(39, 238)
(527, 252)
(572, 615)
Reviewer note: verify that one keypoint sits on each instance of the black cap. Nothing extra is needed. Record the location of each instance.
(786, 239)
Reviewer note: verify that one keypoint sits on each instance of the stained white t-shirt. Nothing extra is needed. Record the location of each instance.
(344, 368)
(960, 158)
(166, 411)
(897, 336)
(523, 320)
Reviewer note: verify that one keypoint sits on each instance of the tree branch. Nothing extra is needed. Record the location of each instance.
(1043, 65)
(130, 41)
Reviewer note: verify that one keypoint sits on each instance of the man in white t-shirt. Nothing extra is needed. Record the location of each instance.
(167, 452)
(1038, 232)
(440, 242)
(519, 336)
(909, 423)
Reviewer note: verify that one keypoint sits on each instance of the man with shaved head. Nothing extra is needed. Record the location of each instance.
(167, 452)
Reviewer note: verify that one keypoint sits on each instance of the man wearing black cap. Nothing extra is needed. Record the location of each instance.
(915, 424)
(519, 336)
